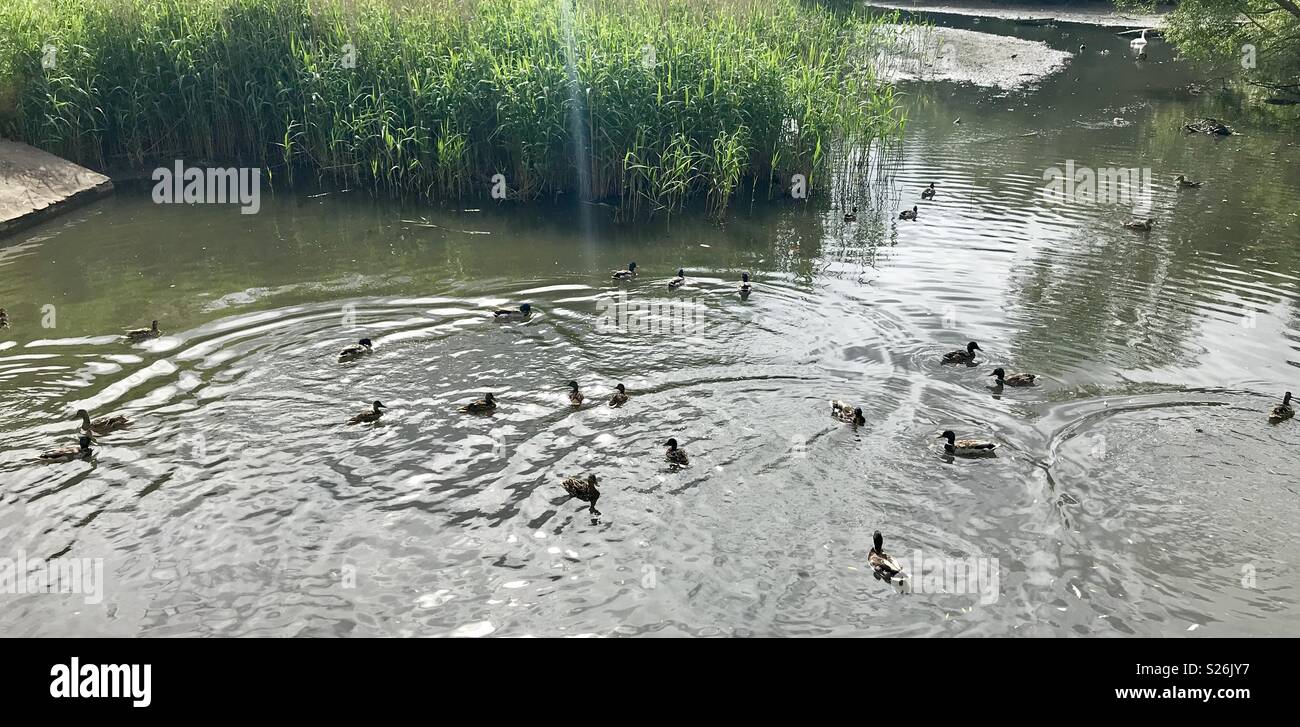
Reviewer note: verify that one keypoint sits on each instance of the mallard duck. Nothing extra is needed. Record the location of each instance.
(675, 455)
(370, 415)
(966, 447)
(745, 287)
(481, 406)
(143, 334)
(584, 490)
(884, 564)
(846, 413)
(1186, 183)
(356, 351)
(962, 357)
(678, 281)
(67, 454)
(625, 274)
(619, 398)
(928, 192)
(506, 314)
(575, 396)
(1013, 379)
(1141, 224)
(103, 425)
(908, 214)
(851, 216)
(1282, 411)
(4, 318)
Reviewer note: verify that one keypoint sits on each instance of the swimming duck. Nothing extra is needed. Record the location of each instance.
(356, 351)
(851, 216)
(928, 192)
(143, 334)
(584, 490)
(1185, 182)
(487, 404)
(370, 415)
(1013, 379)
(506, 314)
(966, 357)
(103, 425)
(575, 396)
(846, 413)
(67, 454)
(1282, 411)
(625, 274)
(1143, 225)
(678, 281)
(966, 447)
(745, 287)
(885, 565)
(675, 455)
(908, 214)
(4, 318)
(619, 398)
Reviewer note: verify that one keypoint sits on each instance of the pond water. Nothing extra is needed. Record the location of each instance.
(1140, 489)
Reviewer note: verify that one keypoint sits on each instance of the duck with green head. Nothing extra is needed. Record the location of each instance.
(486, 405)
(1282, 411)
(908, 214)
(962, 357)
(678, 281)
(966, 447)
(883, 564)
(136, 335)
(505, 314)
(356, 351)
(1005, 379)
(67, 454)
(625, 274)
(847, 413)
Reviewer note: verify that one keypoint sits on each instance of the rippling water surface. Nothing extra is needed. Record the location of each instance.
(1140, 489)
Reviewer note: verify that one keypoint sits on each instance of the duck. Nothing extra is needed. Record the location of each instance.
(487, 404)
(928, 192)
(620, 396)
(1138, 44)
(966, 357)
(847, 413)
(67, 454)
(103, 425)
(908, 214)
(966, 447)
(370, 415)
(1283, 411)
(356, 350)
(675, 455)
(745, 287)
(1013, 379)
(584, 490)
(505, 314)
(575, 396)
(625, 274)
(4, 318)
(1184, 182)
(883, 564)
(143, 334)
(1140, 224)
(851, 216)
(678, 281)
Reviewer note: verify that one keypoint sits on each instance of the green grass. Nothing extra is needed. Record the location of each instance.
(447, 93)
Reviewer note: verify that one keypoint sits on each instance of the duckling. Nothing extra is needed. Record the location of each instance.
(675, 455)
(356, 351)
(928, 192)
(584, 490)
(505, 314)
(481, 406)
(1013, 379)
(103, 425)
(846, 413)
(575, 396)
(966, 447)
(851, 216)
(370, 415)
(1184, 182)
(619, 398)
(908, 214)
(883, 564)
(678, 281)
(745, 287)
(962, 357)
(67, 454)
(1140, 224)
(142, 334)
(625, 274)
(4, 318)
(1283, 411)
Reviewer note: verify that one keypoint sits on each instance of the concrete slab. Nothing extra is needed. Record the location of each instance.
(35, 185)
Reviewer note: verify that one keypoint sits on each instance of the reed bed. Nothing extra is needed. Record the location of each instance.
(652, 103)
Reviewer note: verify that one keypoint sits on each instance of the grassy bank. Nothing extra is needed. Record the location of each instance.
(650, 102)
